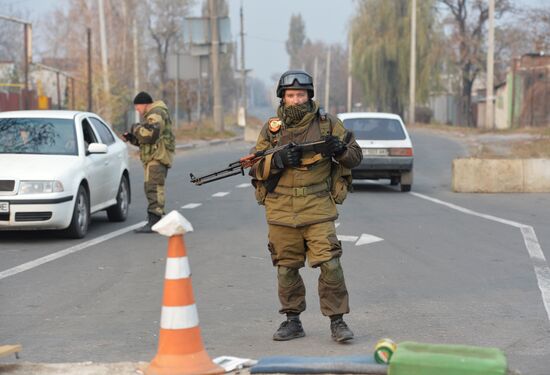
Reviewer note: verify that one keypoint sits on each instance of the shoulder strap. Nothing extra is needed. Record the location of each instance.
(325, 124)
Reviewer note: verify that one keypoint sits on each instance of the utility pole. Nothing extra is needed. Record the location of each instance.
(350, 66)
(315, 70)
(104, 51)
(58, 90)
(27, 55)
(73, 106)
(215, 55)
(237, 100)
(136, 65)
(327, 81)
(243, 72)
(89, 35)
(489, 115)
(412, 75)
(176, 107)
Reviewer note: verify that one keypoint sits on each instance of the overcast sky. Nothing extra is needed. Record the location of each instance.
(266, 25)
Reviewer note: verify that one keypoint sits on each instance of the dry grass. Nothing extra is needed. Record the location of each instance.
(204, 130)
(488, 143)
(539, 148)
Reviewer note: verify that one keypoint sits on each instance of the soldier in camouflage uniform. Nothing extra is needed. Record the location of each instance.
(156, 147)
(300, 192)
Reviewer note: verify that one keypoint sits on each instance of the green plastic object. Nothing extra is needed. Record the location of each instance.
(413, 358)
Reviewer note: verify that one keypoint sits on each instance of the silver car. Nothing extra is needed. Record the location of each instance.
(387, 147)
(59, 167)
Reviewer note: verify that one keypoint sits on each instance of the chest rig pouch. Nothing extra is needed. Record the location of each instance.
(340, 181)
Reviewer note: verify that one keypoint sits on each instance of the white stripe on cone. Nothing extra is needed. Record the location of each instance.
(177, 268)
(179, 317)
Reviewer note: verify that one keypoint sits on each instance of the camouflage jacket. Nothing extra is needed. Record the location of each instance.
(154, 135)
(291, 204)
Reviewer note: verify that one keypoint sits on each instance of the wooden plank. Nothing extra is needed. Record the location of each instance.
(9, 349)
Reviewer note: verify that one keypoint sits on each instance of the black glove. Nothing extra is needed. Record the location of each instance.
(290, 157)
(334, 146)
(129, 137)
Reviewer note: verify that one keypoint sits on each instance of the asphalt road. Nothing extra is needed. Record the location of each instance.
(448, 268)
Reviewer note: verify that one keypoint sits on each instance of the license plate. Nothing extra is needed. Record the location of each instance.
(4, 207)
(375, 152)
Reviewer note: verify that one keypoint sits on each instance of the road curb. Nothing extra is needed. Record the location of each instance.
(213, 142)
(84, 368)
(77, 368)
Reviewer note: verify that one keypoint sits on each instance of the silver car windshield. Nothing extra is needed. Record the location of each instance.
(379, 129)
(37, 136)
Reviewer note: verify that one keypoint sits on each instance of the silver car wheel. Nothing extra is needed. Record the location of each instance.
(123, 197)
(82, 211)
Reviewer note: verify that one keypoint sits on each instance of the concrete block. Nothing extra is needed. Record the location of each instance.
(487, 175)
(536, 174)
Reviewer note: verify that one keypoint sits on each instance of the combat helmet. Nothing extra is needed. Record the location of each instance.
(295, 79)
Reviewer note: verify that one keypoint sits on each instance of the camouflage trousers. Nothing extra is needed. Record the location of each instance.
(289, 248)
(155, 176)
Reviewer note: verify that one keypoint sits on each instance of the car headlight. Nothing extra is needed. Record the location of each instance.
(37, 187)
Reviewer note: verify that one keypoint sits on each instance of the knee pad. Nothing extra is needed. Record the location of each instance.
(332, 271)
(287, 276)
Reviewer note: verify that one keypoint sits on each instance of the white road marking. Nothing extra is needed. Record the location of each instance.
(49, 258)
(367, 238)
(468, 211)
(190, 206)
(364, 239)
(220, 194)
(242, 186)
(542, 271)
(347, 238)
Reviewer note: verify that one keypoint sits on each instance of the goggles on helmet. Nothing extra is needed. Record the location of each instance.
(302, 78)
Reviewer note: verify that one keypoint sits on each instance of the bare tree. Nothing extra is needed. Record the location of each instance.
(468, 19)
(164, 20)
(11, 45)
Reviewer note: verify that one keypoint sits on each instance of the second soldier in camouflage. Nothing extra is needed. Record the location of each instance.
(156, 143)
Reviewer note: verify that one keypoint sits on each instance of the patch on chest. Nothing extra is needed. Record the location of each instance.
(274, 124)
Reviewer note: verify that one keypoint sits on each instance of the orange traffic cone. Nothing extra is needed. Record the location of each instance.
(180, 348)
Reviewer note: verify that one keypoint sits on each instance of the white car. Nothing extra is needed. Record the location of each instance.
(59, 167)
(387, 147)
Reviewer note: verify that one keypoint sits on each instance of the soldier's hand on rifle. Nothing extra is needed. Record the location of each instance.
(290, 157)
(129, 137)
(334, 146)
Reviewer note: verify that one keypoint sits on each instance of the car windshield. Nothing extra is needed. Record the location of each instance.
(380, 129)
(37, 136)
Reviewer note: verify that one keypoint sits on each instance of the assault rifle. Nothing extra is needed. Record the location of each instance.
(247, 161)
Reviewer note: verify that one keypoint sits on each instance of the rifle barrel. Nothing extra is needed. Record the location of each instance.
(247, 161)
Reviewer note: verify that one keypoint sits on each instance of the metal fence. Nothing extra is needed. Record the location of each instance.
(531, 97)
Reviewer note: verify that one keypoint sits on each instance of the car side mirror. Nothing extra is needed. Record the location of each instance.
(97, 148)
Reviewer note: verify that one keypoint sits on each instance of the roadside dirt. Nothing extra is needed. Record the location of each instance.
(503, 144)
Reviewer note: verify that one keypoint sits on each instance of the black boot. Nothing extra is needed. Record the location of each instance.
(339, 329)
(290, 329)
(147, 228)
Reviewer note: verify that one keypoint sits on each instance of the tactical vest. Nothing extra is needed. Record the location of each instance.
(340, 180)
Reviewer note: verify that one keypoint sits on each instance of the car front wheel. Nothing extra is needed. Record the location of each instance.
(119, 211)
(81, 215)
